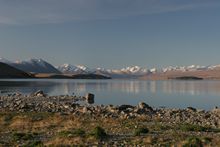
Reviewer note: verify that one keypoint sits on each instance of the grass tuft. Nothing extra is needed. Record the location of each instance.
(34, 144)
(194, 128)
(193, 142)
(22, 136)
(72, 133)
(140, 131)
(99, 133)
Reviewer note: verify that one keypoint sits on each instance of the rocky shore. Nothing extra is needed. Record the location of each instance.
(78, 107)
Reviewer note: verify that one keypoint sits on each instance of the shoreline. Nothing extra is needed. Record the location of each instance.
(71, 104)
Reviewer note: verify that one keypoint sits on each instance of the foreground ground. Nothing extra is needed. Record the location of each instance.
(44, 121)
(32, 129)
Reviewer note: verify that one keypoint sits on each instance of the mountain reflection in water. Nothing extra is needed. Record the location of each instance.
(171, 93)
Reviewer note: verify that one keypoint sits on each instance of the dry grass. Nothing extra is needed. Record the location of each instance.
(48, 126)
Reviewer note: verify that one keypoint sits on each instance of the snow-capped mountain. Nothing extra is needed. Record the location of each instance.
(32, 65)
(35, 66)
(3, 60)
(135, 70)
(41, 66)
(124, 72)
(153, 70)
(128, 72)
(73, 69)
(214, 67)
(132, 71)
(185, 68)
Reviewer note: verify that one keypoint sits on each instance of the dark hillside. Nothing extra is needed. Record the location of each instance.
(7, 71)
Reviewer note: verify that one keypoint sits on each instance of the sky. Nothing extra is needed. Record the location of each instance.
(111, 33)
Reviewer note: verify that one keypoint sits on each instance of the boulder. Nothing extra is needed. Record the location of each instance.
(90, 98)
(18, 94)
(216, 110)
(143, 105)
(39, 93)
(125, 107)
(191, 109)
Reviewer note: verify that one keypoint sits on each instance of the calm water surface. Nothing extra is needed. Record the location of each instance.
(171, 93)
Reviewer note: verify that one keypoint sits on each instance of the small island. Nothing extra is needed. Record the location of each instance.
(186, 78)
(70, 76)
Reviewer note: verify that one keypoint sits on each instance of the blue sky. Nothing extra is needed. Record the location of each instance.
(111, 33)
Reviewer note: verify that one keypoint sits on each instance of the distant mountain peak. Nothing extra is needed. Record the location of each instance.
(186, 68)
(66, 65)
(34, 65)
(76, 69)
(3, 60)
(84, 68)
(73, 69)
(31, 60)
(37, 60)
(134, 70)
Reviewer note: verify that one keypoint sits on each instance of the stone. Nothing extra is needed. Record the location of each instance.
(18, 94)
(90, 98)
(85, 110)
(125, 107)
(143, 105)
(191, 109)
(39, 93)
(216, 110)
(74, 105)
(139, 111)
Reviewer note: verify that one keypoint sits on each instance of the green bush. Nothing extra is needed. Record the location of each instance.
(195, 128)
(207, 140)
(140, 131)
(35, 144)
(99, 133)
(161, 127)
(77, 132)
(22, 136)
(64, 133)
(193, 142)
(8, 117)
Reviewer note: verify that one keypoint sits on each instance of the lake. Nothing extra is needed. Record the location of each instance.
(202, 94)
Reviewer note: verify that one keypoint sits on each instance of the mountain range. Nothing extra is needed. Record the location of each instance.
(128, 72)
(137, 72)
(41, 66)
(32, 66)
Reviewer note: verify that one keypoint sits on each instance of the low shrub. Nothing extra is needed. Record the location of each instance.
(99, 133)
(140, 131)
(8, 117)
(195, 128)
(64, 133)
(193, 142)
(72, 133)
(35, 144)
(79, 132)
(22, 136)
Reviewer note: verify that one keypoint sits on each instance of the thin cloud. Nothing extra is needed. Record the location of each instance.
(59, 11)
